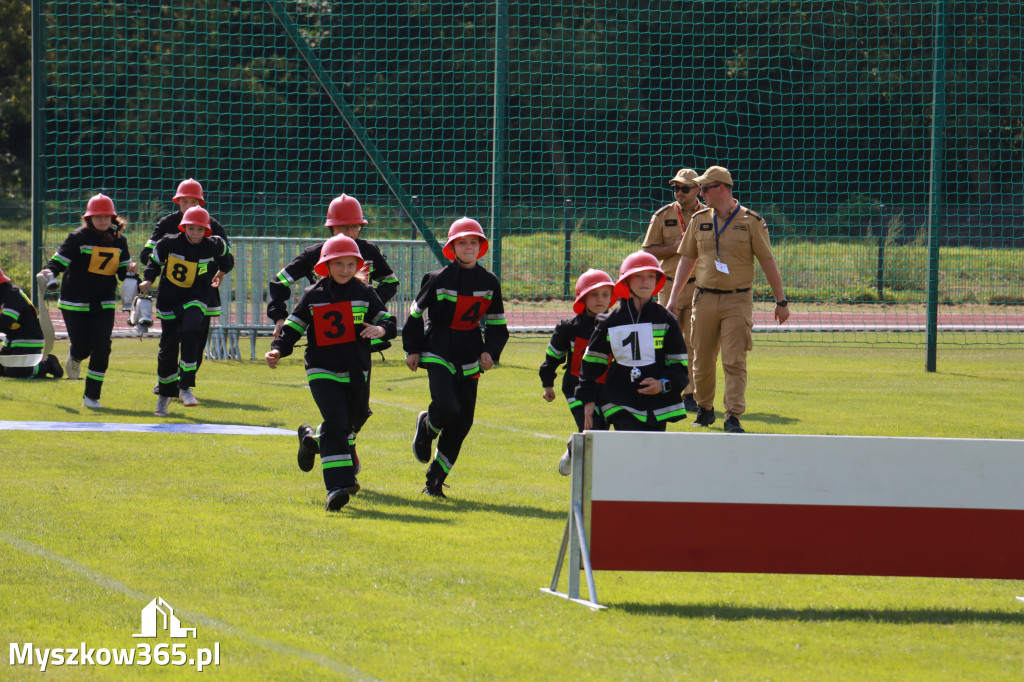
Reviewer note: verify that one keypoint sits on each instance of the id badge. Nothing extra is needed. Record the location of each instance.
(721, 267)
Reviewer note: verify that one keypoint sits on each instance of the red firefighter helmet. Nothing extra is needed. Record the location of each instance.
(100, 204)
(588, 281)
(336, 247)
(190, 188)
(4, 279)
(464, 227)
(197, 215)
(634, 263)
(344, 210)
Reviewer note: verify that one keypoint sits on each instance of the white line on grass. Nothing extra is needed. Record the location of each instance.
(189, 616)
(502, 427)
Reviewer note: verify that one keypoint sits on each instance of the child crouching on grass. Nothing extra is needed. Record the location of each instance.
(21, 356)
(340, 316)
(641, 348)
(458, 299)
(594, 295)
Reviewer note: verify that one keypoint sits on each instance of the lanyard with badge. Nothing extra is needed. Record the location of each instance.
(719, 265)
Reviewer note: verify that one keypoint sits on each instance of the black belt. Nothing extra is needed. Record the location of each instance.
(722, 291)
(691, 280)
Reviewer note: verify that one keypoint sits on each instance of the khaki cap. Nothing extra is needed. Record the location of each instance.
(715, 174)
(685, 176)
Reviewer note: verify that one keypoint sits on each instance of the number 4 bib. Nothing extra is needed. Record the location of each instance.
(633, 344)
(468, 311)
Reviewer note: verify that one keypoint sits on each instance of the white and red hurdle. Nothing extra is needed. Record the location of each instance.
(842, 505)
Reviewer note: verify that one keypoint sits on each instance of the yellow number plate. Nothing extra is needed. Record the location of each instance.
(104, 260)
(181, 273)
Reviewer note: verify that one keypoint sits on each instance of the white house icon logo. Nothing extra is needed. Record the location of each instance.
(170, 621)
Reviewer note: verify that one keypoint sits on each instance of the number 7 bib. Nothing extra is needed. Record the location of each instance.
(104, 260)
(632, 344)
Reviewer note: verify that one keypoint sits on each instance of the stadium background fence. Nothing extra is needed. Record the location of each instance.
(883, 142)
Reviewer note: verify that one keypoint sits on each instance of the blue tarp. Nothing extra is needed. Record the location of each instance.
(221, 429)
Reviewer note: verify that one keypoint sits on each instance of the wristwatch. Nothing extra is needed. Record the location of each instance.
(782, 304)
(666, 385)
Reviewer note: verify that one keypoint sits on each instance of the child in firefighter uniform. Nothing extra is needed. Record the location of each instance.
(188, 194)
(184, 261)
(92, 259)
(21, 354)
(344, 216)
(640, 346)
(340, 315)
(458, 300)
(594, 295)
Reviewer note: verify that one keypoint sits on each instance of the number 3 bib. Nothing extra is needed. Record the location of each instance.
(633, 344)
(335, 323)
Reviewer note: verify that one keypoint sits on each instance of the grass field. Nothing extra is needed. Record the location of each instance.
(398, 586)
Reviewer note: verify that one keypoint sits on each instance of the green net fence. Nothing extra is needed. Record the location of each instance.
(558, 125)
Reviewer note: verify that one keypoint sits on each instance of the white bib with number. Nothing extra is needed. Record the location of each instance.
(633, 344)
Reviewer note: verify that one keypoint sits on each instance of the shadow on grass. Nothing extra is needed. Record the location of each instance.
(458, 505)
(354, 509)
(184, 415)
(770, 418)
(892, 616)
(230, 404)
(106, 411)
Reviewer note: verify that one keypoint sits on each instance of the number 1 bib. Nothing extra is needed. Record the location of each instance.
(633, 344)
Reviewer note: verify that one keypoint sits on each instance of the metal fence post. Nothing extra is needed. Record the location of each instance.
(567, 288)
(38, 137)
(935, 181)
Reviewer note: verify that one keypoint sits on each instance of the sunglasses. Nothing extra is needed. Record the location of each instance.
(705, 188)
(681, 188)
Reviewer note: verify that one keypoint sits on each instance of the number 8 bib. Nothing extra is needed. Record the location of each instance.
(180, 272)
(632, 344)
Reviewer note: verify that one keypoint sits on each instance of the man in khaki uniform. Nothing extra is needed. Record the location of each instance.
(664, 234)
(722, 241)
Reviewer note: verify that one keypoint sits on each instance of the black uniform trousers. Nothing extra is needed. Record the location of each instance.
(89, 333)
(624, 421)
(185, 332)
(452, 409)
(342, 406)
(34, 372)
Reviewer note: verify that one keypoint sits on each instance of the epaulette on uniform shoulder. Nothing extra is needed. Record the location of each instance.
(755, 214)
(703, 210)
(663, 209)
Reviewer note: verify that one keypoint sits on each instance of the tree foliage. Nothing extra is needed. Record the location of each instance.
(831, 95)
(15, 93)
